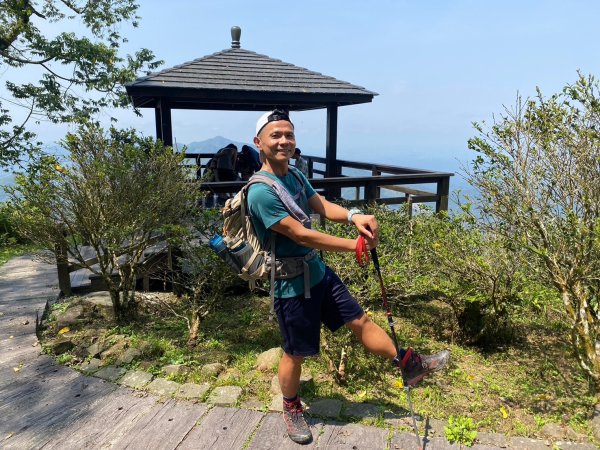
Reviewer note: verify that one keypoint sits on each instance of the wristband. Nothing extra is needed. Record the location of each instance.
(351, 213)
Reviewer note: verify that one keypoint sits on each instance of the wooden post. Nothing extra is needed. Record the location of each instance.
(370, 193)
(162, 115)
(62, 267)
(443, 190)
(331, 165)
(376, 173)
(409, 205)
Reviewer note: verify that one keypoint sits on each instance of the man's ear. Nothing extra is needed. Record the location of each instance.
(256, 141)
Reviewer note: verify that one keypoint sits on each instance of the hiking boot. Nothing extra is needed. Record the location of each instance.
(415, 367)
(297, 428)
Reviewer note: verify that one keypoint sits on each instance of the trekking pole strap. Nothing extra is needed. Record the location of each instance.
(362, 255)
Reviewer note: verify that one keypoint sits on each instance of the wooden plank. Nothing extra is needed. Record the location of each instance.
(272, 434)
(34, 424)
(107, 422)
(407, 190)
(222, 428)
(352, 436)
(174, 419)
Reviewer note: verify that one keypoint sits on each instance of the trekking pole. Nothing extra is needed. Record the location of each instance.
(388, 313)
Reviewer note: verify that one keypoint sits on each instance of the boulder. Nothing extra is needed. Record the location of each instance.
(100, 304)
(269, 360)
(176, 369)
(115, 351)
(128, 357)
(60, 345)
(212, 370)
(73, 315)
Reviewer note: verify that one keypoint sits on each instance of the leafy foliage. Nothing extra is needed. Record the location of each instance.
(461, 430)
(116, 194)
(538, 171)
(69, 66)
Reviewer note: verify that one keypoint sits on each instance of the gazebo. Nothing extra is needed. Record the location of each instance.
(236, 79)
(241, 80)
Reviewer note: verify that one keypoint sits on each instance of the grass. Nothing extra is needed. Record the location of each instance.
(514, 390)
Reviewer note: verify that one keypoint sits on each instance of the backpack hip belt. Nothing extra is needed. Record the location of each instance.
(291, 267)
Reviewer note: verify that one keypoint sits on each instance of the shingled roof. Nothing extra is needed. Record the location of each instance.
(242, 80)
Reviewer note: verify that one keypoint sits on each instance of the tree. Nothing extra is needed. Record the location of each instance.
(117, 192)
(538, 173)
(65, 63)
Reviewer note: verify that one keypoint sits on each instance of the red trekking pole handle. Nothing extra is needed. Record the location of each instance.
(362, 256)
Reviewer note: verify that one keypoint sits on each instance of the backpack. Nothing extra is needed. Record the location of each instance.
(241, 248)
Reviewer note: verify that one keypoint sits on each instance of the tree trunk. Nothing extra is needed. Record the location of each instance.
(584, 336)
(194, 329)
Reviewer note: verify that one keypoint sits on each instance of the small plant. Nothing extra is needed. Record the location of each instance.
(461, 430)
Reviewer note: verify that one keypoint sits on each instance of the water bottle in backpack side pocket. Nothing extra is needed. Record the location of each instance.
(220, 248)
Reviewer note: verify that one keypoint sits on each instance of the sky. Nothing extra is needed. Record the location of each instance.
(437, 66)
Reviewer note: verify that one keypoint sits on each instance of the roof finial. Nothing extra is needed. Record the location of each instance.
(236, 33)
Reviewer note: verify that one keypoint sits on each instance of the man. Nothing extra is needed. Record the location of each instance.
(226, 163)
(301, 313)
(301, 163)
(247, 162)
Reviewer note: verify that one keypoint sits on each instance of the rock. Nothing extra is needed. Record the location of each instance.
(96, 348)
(277, 403)
(193, 391)
(115, 351)
(212, 370)
(253, 403)
(230, 375)
(225, 395)
(269, 360)
(553, 431)
(162, 387)
(128, 357)
(100, 304)
(73, 315)
(527, 444)
(60, 346)
(136, 379)
(176, 369)
(275, 387)
(110, 373)
(595, 422)
(436, 426)
(493, 439)
(326, 407)
(361, 410)
(90, 367)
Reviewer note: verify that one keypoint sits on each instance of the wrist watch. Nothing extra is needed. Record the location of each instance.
(351, 213)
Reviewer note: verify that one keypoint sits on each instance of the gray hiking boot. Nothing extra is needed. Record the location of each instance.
(297, 428)
(415, 367)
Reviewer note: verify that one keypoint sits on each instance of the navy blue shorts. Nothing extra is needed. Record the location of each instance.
(300, 318)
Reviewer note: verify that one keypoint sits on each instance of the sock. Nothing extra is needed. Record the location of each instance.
(401, 354)
(290, 400)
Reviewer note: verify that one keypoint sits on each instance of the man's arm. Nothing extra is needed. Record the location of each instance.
(294, 230)
(365, 224)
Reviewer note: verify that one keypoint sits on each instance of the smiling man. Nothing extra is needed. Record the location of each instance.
(306, 301)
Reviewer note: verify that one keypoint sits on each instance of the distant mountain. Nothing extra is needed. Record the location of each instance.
(211, 145)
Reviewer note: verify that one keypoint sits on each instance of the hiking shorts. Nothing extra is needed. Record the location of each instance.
(300, 318)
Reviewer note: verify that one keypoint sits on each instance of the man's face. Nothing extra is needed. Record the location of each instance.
(277, 140)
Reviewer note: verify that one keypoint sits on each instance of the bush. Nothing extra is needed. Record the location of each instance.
(444, 257)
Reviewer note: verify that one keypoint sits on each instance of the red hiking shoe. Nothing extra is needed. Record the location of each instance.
(415, 367)
(297, 428)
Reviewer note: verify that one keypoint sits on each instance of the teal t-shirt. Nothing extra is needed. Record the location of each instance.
(267, 210)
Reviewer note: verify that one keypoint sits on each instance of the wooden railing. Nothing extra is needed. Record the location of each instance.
(367, 187)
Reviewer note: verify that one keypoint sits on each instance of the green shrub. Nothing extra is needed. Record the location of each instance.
(461, 430)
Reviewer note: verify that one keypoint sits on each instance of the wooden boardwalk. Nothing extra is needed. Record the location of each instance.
(49, 406)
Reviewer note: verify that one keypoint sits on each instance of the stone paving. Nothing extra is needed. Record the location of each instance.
(46, 405)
